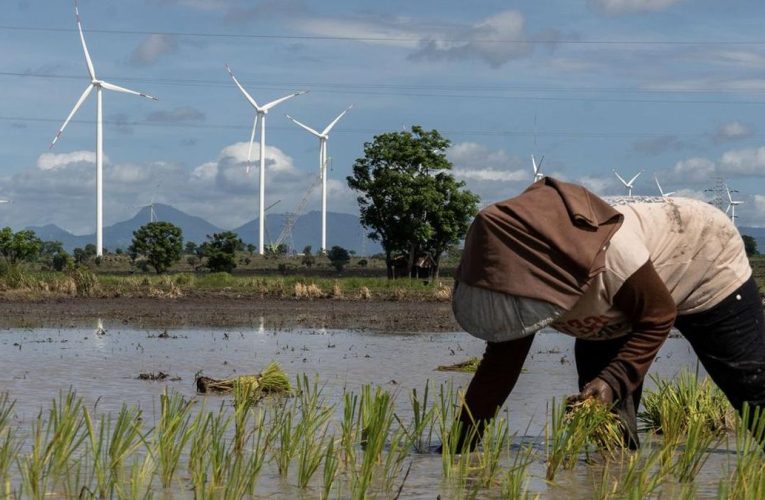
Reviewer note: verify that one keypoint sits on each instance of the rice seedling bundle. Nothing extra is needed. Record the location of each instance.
(468, 366)
(272, 380)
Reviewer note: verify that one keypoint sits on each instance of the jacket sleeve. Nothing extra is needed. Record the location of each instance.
(648, 306)
(495, 377)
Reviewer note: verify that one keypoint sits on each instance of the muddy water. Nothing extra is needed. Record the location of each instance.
(38, 363)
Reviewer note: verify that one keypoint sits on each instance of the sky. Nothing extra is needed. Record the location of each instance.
(672, 88)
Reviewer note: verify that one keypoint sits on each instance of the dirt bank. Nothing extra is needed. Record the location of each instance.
(399, 316)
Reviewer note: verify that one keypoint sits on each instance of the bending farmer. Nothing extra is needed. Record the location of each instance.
(617, 278)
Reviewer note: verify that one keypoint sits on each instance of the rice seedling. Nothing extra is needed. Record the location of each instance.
(684, 398)
(493, 441)
(584, 427)
(375, 421)
(422, 420)
(313, 428)
(638, 479)
(468, 366)
(9, 443)
(695, 452)
(348, 427)
(515, 475)
(748, 478)
(111, 445)
(172, 432)
(272, 380)
(329, 472)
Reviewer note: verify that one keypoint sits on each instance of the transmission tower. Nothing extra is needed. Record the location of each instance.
(718, 193)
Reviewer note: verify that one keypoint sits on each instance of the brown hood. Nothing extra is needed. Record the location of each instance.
(545, 243)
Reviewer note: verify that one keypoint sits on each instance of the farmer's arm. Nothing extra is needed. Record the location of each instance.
(493, 380)
(647, 304)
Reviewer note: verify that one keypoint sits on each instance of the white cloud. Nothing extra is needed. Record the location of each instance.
(744, 162)
(601, 186)
(491, 174)
(495, 40)
(152, 48)
(54, 161)
(618, 7)
(694, 170)
(731, 132)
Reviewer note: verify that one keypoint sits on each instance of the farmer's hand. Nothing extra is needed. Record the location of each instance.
(598, 389)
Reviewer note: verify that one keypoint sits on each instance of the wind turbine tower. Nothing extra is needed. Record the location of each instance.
(731, 204)
(537, 168)
(260, 115)
(99, 86)
(629, 184)
(323, 137)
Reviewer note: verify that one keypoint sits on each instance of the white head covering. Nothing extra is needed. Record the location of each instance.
(499, 317)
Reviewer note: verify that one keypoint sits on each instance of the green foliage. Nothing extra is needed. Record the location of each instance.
(53, 255)
(160, 242)
(190, 248)
(220, 251)
(408, 199)
(82, 255)
(20, 246)
(338, 257)
(750, 245)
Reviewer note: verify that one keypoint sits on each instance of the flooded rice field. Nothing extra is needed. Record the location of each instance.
(104, 369)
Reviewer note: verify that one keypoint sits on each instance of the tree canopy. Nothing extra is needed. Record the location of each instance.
(160, 242)
(408, 199)
(19, 246)
(220, 251)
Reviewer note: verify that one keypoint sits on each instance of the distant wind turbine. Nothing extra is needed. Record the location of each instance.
(661, 191)
(537, 168)
(99, 85)
(732, 204)
(260, 115)
(629, 184)
(323, 137)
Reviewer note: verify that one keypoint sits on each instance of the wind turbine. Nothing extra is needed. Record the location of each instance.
(152, 213)
(628, 185)
(323, 137)
(732, 204)
(99, 86)
(661, 191)
(260, 115)
(537, 168)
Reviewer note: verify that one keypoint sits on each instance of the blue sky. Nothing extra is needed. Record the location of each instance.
(671, 87)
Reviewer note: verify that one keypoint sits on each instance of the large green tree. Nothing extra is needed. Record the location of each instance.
(19, 246)
(220, 251)
(160, 242)
(408, 198)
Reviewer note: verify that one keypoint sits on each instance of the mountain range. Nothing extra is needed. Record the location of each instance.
(342, 229)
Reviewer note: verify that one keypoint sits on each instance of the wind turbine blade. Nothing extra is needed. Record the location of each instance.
(71, 114)
(661, 191)
(727, 190)
(728, 209)
(620, 178)
(246, 95)
(534, 164)
(117, 88)
(636, 176)
(282, 99)
(334, 122)
(88, 61)
(252, 139)
(317, 134)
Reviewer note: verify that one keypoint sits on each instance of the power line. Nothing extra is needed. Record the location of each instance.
(443, 94)
(507, 41)
(345, 86)
(351, 130)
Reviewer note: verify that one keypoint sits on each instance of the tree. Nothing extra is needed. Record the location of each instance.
(338, 257)
(308, 260)
(190, 248)
(160, 242)
(408, 199)
(750, 245)
(251, 248)
(20, 246)
(53, 255)
(220, 251)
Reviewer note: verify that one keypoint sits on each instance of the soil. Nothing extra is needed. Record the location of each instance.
(270, 313)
